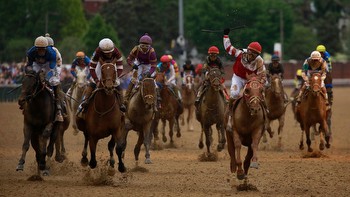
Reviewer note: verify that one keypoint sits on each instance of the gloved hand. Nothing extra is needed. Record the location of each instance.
(136, 67)
(226, 31)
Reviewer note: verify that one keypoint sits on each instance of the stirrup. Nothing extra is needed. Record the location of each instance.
(59, 117)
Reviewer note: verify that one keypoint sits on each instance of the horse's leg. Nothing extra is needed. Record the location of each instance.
(326, 133)
(207, 137)
(138, 147)
(120, 149)
(308, 140)
(171, 129)
(147, 142)
(231, 150)
(163, 130)
(25, 147)
(301, 144)
(92, 145)
(238, 144)
(201, 145)
(256, 135)
(280, 130)
(190, 118)
(177, 125)
(84, 160)
(322, 135)
(111, 145)
(329, 123)
(221, 136)
(58, 145)
(247, 160)
(154, 128)
(42, 154)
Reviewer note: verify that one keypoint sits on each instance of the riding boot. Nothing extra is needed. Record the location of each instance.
(300, 94)
(330, 96)
(157, 103)
(120, 99)
(84, 103)
(128, 93)
(326, 98)
(199, 95)
(59, 117)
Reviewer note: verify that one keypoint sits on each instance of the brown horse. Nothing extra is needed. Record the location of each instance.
(248, 124)
(103, 118)
(139, 115)
(312, 110)
(188, 97)
(39, 125)
(170, 110)
(211, 111)
(275, 101)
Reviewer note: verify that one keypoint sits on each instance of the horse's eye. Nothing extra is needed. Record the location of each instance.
(246, 91)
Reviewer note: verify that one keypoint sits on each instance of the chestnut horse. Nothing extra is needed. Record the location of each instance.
(275, 101)
(77, 94)
(248, 125)
(39, 125)
(188, 97)
(211, 111)
(103, 118)
(140, 114)
(170, 110)
(312, 110)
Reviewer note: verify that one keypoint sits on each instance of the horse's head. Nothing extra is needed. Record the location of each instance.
(31, 85)
(108, 77)
(148, 91)
(315, 81)
(214, 76)
(253, 95)
(189, 81)
(81, 77)
(276, 83)
(160, 78)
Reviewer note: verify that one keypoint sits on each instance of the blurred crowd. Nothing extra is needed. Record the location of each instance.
(11, 73)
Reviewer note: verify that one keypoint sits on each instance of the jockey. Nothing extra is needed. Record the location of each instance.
(142, 58)
(314, 63)
(43, 57)
(176, 67)
(327, 57)
(211, 61)
(58, 54)
(248, 61)
(188, 68)
(275, 67)
(298, 79)
(167, 68)
(81, 61)
(106, 52)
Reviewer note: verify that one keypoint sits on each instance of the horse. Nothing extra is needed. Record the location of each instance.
(170, 110)
(248, 124)
(77, 94)
(312, 110)
(188, 97)
(39, 126)
(275, 102)
(211, 111)
(103, 118)
(140, 114)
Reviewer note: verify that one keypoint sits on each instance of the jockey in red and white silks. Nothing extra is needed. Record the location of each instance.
(248, 61)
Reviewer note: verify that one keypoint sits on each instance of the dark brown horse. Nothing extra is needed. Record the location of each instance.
(170, 110)
(188, 97)
(275, 101)
(211, 111)
(103, 118)
(39, 125)
(248, 124)
(140, 114)
(312, 110)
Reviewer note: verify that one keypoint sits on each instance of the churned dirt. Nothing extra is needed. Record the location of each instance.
(177, 171)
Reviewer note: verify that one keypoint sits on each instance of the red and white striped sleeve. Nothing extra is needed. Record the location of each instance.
(229, 48)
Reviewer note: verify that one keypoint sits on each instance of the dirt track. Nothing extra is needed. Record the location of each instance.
(177, 171)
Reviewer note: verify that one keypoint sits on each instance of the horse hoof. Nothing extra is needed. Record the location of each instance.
(20, 167)
(321, 147)
(84, 161)
(178, 135)
(328, 145)
(220, 147)
(148, 161)
(201, 145)
(93, 164)
(45, 173)
(121, 168)
(310, 150)
(164, 139)
(301, 147)
(60, 159)
(240, 176)
(254, 165)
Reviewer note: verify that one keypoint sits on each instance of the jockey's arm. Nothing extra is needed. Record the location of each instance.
(324, 70)
(92, 67)
(172, 74)
(261, 71)
(231, 50)
(305, 72)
